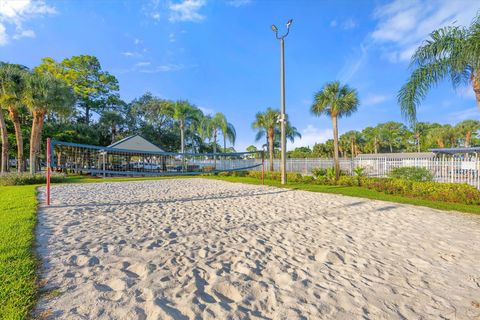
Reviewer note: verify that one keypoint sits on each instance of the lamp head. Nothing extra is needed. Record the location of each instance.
(289, 23)
(274, 28)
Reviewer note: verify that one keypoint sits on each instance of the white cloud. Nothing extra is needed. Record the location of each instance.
(351, 67)
(467, 114)
(3, 35)
(403, 25)
(347, 24)
(187, 10)
(207, 111)
(142, 64)
(466, 93)
(310, 136)
(161, 68)
(171, 37)
(238, 3)
(15, 13)
(374, 99)
(24, 34)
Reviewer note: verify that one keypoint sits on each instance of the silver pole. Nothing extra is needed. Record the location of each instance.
(283, 117)
(282, 113)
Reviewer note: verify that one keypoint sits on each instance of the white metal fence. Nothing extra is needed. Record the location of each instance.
(451, 170)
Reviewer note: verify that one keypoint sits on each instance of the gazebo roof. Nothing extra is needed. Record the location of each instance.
(456, 150)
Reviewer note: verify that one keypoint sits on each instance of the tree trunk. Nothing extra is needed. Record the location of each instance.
(352, 146)
(18, 136)
(87, 114)
(36, 139)
(468, 136)
(335, 148)
(182, 137)
(440, 143)
(375, 147)
(391, 148)
(215, 147)
(224, 144)
(4, 165)
(270, 147)
(476, 86)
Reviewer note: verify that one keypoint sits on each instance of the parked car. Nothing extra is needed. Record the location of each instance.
(144, 166)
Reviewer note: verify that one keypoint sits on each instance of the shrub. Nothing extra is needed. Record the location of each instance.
(435, 191)
(411, 173)
(347, 181)
(319, 172)
(307, 179)
(17, 179)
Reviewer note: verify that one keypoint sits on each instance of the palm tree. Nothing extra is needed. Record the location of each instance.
(185, 114)
(335, 101)
(229, 133)
(266, 122)
(450, 53)
(468, 128)
(442, 136)
(372, 136)
(11, 90)
(4, 166)
(43, 94)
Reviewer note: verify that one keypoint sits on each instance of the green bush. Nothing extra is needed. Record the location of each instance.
(435, 191)
(18, 179)
(411, 173)
(307, 179)
(319, 172)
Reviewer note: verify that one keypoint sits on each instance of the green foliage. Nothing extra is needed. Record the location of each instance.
(18, 179)
(446, 192)
(94, 88)
(450, 53)
(411, 173)
(319, 172)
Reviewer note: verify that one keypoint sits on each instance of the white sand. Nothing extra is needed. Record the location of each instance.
(203, 249)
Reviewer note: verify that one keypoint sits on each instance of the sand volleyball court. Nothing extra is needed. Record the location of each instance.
(205, 249)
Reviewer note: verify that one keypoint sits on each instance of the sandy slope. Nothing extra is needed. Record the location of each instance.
(201, 249)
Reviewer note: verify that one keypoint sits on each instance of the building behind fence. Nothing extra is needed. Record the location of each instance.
(449, 169)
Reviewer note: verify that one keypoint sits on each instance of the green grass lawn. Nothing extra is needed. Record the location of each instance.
(18, 264)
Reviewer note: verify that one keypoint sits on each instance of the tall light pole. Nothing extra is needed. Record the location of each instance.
(283, 117)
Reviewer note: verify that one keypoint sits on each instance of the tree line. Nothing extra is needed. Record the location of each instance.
(74, 100)
(395, 137)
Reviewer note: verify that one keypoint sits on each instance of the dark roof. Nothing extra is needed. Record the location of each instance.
(456, 150)
(398, 155)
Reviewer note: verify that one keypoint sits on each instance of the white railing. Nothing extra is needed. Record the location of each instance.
(451, 170)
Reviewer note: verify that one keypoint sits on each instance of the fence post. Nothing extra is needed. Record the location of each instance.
(103, 164)
(451, 170)
(48, 170)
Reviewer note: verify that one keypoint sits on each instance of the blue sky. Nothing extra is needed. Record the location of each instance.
(223, 56)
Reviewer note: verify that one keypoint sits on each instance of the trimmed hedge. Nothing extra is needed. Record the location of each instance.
(427, 190)
(411, 173)
(20, 179)
(446, 192)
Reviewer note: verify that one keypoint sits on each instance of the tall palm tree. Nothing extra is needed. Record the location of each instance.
(468, 128)
(336, 101)
(450, 53)
(265, 123)
(185, 114)
(43, 94)
(228, 133)
(4, 166)
(12, 83)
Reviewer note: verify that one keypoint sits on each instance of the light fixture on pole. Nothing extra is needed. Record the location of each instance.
(283, 116)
